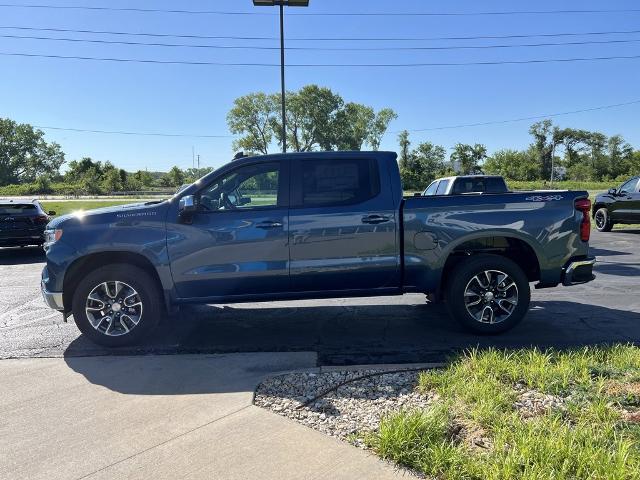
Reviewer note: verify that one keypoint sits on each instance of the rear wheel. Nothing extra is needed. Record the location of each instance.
(603, 220)
(488, 294)
(117, 305)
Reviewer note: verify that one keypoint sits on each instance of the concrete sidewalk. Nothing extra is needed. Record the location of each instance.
(161, 417)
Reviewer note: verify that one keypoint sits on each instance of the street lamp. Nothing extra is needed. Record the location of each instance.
(282, 4)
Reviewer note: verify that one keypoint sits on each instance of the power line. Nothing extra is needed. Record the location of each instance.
(143, 134)
(521, 119)
(331, 39)
(333, 49)
(497, 122)
(323, 14)
(324, 65)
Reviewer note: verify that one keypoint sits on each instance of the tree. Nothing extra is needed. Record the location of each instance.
(546, 137)
(174, 178)
(514, 164)
(317, 119)
(253, 116)
(420, 166)
(469, 157)
(379, 126)
(24, 154)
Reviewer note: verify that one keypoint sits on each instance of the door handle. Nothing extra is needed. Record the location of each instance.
(375, 219)
(268, 225)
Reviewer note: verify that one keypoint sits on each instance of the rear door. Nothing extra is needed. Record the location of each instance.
(342, 225)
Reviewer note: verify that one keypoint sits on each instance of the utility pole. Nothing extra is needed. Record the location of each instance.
(198, 161)
(282, 4)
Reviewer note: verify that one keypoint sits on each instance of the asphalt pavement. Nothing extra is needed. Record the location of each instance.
(341, 331)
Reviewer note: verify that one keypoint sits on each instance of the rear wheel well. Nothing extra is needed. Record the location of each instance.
(84, 265)
(514, 249)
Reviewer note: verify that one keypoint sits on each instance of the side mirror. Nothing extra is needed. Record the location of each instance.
(612, 191)
(187, 206)
(51, 213)
(417, 194)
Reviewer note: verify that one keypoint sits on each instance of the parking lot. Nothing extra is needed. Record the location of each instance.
(341, 331)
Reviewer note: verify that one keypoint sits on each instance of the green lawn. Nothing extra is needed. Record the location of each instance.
(62, 208)
(480, 427)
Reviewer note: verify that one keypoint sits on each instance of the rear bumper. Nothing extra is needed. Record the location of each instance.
(578, 272)
(53, 299)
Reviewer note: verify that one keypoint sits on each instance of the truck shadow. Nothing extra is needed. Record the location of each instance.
(21, 255)
(346, 335)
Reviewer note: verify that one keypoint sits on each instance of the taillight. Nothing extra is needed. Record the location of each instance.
(584, 205)
(41, 220)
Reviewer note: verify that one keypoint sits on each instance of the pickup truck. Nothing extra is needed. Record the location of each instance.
(312, 225)
(466, 184)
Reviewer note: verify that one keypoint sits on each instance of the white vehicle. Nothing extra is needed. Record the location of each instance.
(466, 184)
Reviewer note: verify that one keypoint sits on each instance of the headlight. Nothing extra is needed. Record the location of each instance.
(52, 236)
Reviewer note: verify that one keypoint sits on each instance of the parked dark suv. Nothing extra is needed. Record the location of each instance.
(22, 222)
(621, 205)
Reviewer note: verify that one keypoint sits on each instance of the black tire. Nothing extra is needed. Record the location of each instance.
(466, 278)
(123, 330)
(603, 220)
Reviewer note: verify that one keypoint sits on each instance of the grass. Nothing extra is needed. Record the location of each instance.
(589, 437)
(62, 208)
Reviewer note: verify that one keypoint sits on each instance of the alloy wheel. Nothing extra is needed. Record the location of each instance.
(491, 296)
(113, 308)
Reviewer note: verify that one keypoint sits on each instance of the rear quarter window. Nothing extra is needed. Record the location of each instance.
(442, 187)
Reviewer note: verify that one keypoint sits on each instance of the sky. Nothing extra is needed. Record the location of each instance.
(188, 99)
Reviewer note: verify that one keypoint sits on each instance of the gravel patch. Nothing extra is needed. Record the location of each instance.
(349, 410)
(532, 403)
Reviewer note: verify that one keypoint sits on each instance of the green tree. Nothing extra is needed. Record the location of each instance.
(379, 127)
(253, 116)
(317, 119)
(24, 153)
(546, 138)
(513, 164)
(174, 178)
(469, 157)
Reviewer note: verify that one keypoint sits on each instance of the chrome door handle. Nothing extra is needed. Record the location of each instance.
(375, 219)
(268, 225)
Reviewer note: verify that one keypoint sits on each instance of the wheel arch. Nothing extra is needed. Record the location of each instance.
(512, 247)
(88, 263)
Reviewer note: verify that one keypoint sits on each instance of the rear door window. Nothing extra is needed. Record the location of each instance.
(335, 182)
(442, 187)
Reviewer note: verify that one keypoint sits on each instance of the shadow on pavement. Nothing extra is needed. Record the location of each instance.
(21, 255)
(603, 252)
(342, 335)
(621, 269)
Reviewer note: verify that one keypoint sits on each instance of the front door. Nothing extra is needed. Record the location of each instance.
(237, 241)
(342, 225)
(626, 207)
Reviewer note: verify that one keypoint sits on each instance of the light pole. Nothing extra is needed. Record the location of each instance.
(282, 4)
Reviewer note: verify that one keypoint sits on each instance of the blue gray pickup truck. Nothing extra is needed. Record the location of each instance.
(312, 225)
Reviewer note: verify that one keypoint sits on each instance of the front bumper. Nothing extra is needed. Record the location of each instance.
(53, 299)
(578, 272)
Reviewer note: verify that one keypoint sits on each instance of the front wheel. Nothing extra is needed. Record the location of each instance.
(488, 294)
(117, 305)
(603, 220)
